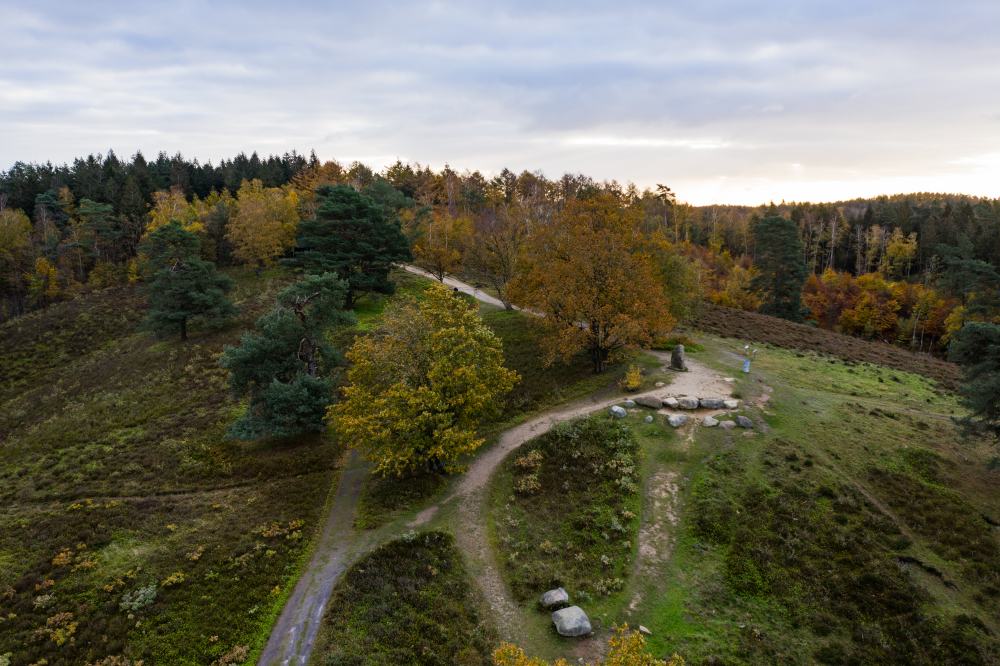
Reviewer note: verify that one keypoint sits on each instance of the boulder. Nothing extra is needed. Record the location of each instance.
(554, 598)
(710, 421)
(649, 418)
(731, 404)
(571, 621)
(727, 425)
(677, 360)
(670, 402)
(677, 420)
(687, 403)
(618, 412)
(629, 403)
(712, 403)
(649, 401)
(659, 384)
(744, 422)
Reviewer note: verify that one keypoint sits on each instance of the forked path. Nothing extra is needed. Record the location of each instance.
(294, 635)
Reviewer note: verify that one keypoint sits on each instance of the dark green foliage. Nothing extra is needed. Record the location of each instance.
(183, 287)
(567, 504)
(352, 237)
(977, 349)
(408, 602)
(284, 363)
(782, 271)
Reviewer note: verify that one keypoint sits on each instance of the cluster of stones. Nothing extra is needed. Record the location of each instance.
(569, 620)
(687, 403)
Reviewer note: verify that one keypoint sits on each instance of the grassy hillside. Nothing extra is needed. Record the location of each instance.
(129, 525)
(855, 527)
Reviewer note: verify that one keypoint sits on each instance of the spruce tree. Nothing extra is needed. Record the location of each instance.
(976, 347)
(283, 365)
(782, 270)
(183, 287)
(352, 237)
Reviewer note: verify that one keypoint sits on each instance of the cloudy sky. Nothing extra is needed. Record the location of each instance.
(729, 102)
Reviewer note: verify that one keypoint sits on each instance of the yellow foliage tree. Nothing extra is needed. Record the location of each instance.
(442, 242)
(737, 291)
(172, 205)
(591, 275)
(420, 385)
(264, 225)
(626, 648)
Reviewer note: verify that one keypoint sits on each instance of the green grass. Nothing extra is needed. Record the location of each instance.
(564, 511)
(849, 532)
(407, 602)
(115, 477)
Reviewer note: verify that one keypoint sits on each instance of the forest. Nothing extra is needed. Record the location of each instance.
(908, 269)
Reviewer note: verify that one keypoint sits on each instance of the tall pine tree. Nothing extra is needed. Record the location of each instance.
(352, 237)
(782, 270)
(183, 287)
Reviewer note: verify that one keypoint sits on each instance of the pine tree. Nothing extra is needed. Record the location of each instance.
(183, 286)
(284, 363)
(782, 270)
(352, 238)
(976, 348)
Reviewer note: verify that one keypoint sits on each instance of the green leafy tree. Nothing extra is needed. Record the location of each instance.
(421, 384)
(352, 237)
(283, 365)
(184, 287)
(976, 347)
(782, 270)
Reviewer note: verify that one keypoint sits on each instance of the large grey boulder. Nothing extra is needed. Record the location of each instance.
(710, 421)
(649, 401)
(731, 404)
(712, 403)
(727, 425)
(554, 598)
(677, 420)
(687, 402)
(677, 360)
(571, 621)
(670, 402)
(744, 422)
(618, 412)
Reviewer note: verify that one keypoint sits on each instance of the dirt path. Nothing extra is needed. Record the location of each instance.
(294, 634)
(478, 294)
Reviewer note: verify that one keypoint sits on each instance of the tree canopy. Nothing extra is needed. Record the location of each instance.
(976, 348)
(782, 271)
(420, 385)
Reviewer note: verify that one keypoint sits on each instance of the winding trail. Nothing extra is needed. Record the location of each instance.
(294, 635)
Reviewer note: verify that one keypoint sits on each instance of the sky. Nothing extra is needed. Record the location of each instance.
(724, 101)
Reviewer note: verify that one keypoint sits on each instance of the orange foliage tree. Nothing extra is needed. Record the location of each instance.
(591, 277)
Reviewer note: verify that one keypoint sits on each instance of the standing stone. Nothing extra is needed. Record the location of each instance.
(571, 621)
(554, 598)
(687, 403)
(670, 402)
(618, 412)
(710, 421)
(677, 360)
(744, 422)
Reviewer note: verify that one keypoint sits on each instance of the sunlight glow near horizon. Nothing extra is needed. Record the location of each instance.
(723, 102)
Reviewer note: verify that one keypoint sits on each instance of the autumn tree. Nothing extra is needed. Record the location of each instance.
(495, 249)
(625, 648)
(263, 225)
(15, 259)
(172, 206)
(183, 287)
(283, 366)
(782, 270)
(591, 276)
(352, 237)
(442, 241)
(420, 385)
